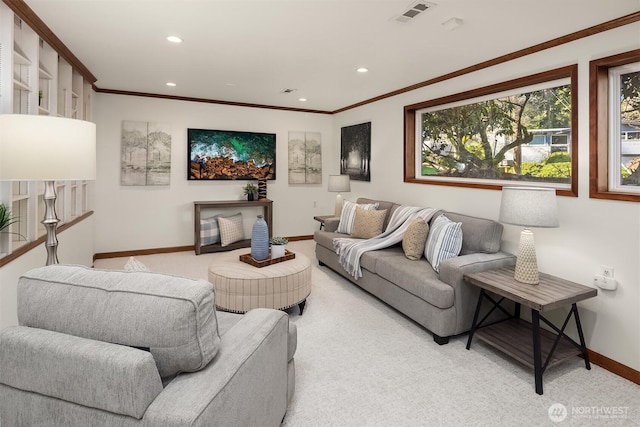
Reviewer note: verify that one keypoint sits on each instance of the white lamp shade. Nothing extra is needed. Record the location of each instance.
(339, 183)
(529, 207)
(46, 148)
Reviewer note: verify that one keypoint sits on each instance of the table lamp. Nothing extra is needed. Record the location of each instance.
(528, 207)
(339, 183)
(46, 148)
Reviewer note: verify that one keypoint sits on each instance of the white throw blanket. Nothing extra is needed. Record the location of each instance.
(350, 250)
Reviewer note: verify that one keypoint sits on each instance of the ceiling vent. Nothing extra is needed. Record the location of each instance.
(414, 10)
(287, 90)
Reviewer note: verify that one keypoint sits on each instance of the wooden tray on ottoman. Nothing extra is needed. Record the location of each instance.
(269, 261)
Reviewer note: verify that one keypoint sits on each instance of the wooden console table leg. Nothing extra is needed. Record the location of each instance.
(537, 353)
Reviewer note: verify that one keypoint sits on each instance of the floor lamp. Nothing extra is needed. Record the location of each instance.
(528, 207)
(338, 184)
(49, 149)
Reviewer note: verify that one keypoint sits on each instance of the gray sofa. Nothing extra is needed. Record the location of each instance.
(107, 348)
(443, 302)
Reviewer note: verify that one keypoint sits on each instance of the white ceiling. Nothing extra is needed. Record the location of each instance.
(250, 50)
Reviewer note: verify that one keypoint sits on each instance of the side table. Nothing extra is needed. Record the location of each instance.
(528, 343)
(322, 218)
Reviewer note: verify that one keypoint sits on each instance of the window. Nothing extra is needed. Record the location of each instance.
(520, 131)
(624, 132)
(614, 116)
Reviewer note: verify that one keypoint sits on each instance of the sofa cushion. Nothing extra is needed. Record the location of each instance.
(172, 316)
(325, 238)
(368, 223)
(478, 234)
(349, 214)
(415, 277)
(369, 260)
(415, 239)
(444, 241)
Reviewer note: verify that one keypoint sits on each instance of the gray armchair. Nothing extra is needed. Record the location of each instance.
(112, 348)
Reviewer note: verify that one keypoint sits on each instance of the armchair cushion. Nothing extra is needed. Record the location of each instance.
(172, 316)
(96, 374)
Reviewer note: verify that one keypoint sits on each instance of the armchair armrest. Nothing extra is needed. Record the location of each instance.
(246, 383)
(452, 272)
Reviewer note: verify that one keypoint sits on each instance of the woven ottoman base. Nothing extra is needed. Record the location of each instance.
(241, 287)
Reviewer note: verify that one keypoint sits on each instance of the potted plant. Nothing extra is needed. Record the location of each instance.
(277, 246)
(6, 219)
(250, 190)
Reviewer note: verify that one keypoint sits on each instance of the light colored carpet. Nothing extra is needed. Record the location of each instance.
(361, 363)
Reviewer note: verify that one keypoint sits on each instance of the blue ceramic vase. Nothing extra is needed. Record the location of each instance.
(260, 240)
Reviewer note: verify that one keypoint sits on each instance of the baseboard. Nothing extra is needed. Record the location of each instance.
(614, 367)
(153, 251)
(137, 252)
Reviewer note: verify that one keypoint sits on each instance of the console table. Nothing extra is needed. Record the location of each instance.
(267, 207)
(528, 343)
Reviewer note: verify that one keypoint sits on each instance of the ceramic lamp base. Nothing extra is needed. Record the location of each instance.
(527, 264)
(338, 210)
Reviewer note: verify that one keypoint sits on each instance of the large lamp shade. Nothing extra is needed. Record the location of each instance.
(338, 184)
(49, 149)
(46, 148)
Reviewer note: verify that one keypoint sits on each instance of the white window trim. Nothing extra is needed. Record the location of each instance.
(615, 178)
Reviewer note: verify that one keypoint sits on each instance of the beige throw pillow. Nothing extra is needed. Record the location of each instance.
(231, 229)
(368, 223)
(415, 238)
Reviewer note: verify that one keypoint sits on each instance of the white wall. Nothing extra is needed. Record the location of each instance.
(75, 246)
(129, 218)
(592, 232)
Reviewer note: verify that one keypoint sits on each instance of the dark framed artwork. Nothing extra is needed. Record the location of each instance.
(355, 151)
(225, 155)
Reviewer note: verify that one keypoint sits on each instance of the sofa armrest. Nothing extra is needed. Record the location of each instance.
(331, 224)
(246, 383)
(452, 272)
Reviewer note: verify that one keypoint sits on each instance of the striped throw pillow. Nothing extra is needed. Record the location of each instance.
(443, 242)
(349, 215)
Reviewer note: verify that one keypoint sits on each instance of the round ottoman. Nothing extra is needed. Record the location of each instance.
(241, 287)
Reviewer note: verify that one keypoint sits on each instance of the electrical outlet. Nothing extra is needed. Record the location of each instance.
(606, 271)
(603, 282)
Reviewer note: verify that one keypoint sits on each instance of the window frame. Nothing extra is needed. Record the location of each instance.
(410, 124)
(599, 126)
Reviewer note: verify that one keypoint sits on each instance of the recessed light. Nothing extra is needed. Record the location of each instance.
(302, 99)
(172, 84)
(362, 70)
(452, 24)
(174, 39)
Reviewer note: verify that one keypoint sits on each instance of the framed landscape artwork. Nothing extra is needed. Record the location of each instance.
(355, 151)
(145, 154)
(225, 155)
(305, 158)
